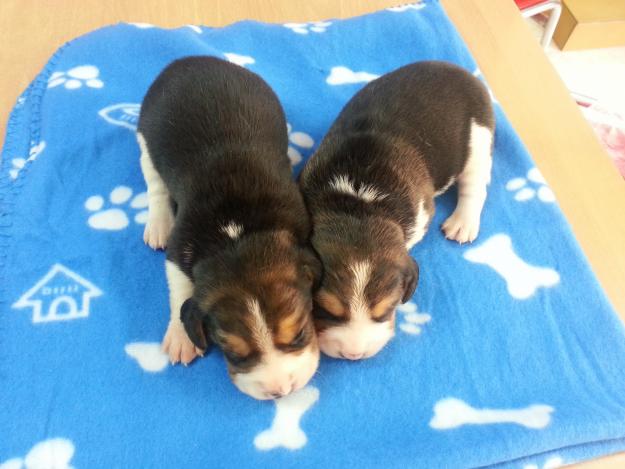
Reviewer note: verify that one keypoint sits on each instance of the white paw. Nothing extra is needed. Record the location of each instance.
(461, 227)
(178, 346)
(158, 228)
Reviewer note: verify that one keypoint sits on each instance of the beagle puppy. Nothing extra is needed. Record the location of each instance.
(213, 140)
(402, 140)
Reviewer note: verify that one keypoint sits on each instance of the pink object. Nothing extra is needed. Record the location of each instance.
(610, 129)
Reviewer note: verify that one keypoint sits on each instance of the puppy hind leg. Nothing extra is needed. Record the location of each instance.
(176, 342)
(160, 215)
(464, 223)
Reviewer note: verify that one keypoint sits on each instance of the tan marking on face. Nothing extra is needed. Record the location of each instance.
(236, 344)
(288, 328)
(331, 303)
(382, 307)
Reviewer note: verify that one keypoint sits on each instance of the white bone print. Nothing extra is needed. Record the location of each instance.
(522, 279)
(453, 413)
(285, 430)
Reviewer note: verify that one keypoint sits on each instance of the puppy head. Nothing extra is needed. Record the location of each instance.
(367, 272)
(255, 302)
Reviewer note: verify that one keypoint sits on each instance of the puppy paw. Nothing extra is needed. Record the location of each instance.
(157, 230)
(178, 346)
(461, 227)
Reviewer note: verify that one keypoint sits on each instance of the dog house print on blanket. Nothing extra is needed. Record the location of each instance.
(61, 295)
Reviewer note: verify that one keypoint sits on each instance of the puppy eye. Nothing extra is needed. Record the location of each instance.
(238, 360)
(325, 315)
(299, 340)
(386, 316)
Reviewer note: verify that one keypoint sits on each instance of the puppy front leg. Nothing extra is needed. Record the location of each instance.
(176, 342)
(160, 215)
(464, 223)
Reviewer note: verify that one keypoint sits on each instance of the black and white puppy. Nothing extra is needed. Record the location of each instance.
(401, 141)
(213, 144)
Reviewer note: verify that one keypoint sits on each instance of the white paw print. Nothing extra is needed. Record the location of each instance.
(76, 77)
(55, 453)
(409, 6)
(523, 191)
(238, 59)
(412, 320)
(298, 139)
(551, 463)
(19, 163)
(305, 28)
(116, 218)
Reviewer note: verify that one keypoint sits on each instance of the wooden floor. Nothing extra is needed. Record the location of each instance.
(588, 188)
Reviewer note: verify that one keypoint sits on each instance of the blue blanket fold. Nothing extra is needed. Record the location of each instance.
(509, 354)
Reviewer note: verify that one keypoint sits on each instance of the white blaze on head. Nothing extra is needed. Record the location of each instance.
(278, 372)
(232, 229)
(361, 336)
(367, 192)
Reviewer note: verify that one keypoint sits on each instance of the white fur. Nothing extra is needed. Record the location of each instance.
(356, 339)
(464, 223)
(232, 229)
(443, 189)
(521, 278)
(361, 337)
(176, 341)
(285, 430)
(160, 216)
(417, 232)
(260, 331)
(342, 183)
(453, 413)
(278, 372)
(358, 303)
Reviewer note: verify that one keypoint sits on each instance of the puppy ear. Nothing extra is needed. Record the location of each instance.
(410, 279)
(196, 324)
(311, 265)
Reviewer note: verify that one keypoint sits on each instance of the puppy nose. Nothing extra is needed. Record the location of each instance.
(280, 390)
(352, 355)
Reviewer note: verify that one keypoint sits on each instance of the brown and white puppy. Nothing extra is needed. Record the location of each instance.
(401, 141)
(213, 144)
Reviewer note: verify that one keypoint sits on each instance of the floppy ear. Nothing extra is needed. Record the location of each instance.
(311, 265)
(196, 324)
(410, 279)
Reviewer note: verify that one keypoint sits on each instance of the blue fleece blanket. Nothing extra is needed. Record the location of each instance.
(509, 354)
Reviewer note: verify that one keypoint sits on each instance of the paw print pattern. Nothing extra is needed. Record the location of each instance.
(238, 59)
(77, 77)
(54, 453)
(523, 190)
(298, 139)
(412, 320)
(551, 463)
(17, 164)
(116, 218)
(305, 28)
(409, 6)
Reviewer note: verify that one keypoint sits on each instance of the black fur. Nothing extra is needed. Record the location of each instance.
(216, 134)
(407, 128)
(406, 134)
